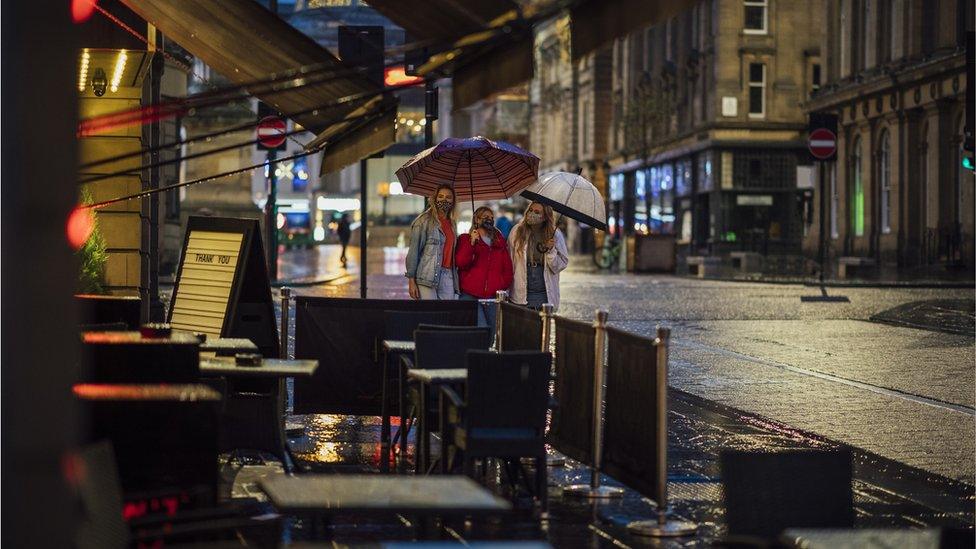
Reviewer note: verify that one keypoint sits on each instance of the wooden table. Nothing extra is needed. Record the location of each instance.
(430, 379)
(328, 495)
(392, 351)
(868, 538)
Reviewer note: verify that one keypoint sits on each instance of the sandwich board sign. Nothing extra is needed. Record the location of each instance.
(222, 286)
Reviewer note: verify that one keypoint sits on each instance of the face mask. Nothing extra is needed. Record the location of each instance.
(533, 218)
(487, 223)
(444, 205)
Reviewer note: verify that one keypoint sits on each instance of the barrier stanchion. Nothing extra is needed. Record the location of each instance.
(594, 490)
(285, 314)
(662, 527)
(545, 316)
(501, 296)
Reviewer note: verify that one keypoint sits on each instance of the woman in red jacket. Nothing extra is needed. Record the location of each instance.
(483, 263)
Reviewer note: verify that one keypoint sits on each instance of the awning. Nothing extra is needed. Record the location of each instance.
(245, 42)
(601, 21)
(481, 44)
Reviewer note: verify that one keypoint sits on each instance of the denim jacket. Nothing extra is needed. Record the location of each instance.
(426, 253)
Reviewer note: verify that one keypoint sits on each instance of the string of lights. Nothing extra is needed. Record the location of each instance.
(251, 168)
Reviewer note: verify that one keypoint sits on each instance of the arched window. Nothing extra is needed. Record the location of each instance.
(884, 181)
(857, 190)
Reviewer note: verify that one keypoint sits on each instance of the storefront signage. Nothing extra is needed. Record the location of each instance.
(754, 200)
(222, 286)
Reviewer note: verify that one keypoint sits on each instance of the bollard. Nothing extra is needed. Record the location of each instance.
(662, 527)
(594, 490)
(285, 313)
(545, 314)
(501, 296)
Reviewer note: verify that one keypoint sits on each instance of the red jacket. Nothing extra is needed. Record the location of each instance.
(483, 270)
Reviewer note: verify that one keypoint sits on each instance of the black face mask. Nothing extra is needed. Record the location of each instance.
(487, 223)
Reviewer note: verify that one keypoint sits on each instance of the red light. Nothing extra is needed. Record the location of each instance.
(81, 10)
(396, 76)
(80, 224)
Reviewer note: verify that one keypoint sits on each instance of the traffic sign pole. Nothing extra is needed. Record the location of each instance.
(271, 217)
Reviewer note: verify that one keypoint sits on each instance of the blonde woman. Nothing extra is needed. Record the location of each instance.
(539, 254)
(431, 272)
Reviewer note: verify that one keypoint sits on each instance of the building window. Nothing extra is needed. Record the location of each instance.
(757, 90)
(884, 182)
(857, 191)
(756, 16)
(883, 28)
(815, 78)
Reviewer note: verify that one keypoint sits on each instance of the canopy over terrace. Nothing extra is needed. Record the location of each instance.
(245, 42)
(493, 41)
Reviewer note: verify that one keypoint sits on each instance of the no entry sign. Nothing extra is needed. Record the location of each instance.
(823, 136)
(271, 132)
(823, 143)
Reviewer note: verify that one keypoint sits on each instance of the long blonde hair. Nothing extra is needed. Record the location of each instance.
(431, 210)
(520, 232)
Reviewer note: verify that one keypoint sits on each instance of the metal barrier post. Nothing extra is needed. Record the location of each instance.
(662, 527)
(594, 490)
(285, 313)
(545, 315)
(501, 296)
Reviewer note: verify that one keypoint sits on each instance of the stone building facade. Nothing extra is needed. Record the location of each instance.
(895, 76)
(569, 113)
(707, 125)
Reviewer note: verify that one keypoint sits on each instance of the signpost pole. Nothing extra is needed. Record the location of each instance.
(822, 168)
(271, 217)
(362, 228)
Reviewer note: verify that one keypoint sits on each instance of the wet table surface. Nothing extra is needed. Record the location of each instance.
(870, 538)
(228, 345)
(448, 375)
(440, 495)
(270, 367)
(398, 346)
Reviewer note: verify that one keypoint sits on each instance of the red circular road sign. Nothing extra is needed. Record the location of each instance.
(271, 132)
(823, 143)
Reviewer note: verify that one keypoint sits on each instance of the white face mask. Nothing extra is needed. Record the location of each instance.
(533, 218)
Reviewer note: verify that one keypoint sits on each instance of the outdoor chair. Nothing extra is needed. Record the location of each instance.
(503, 415)
(400, 325)
(93, 476)
(438, 349)
(766, 493)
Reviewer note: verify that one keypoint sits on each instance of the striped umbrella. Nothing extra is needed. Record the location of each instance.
(477, 167)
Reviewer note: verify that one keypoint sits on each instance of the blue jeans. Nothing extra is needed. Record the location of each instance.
(486, 312)
(535, 287)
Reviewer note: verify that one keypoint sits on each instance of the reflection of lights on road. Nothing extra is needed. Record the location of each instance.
(319, 234)
(281, 221)
(393, 258)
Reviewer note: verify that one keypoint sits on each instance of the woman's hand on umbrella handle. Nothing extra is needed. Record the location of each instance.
(413, 289)
(550, 244)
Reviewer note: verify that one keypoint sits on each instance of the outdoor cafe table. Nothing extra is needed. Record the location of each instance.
(328, 495)
(392, 351)
(867, 538)
(257, 389)
(228, 346)
(429, 379)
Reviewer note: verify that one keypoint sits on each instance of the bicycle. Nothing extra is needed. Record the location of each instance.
(606, 256)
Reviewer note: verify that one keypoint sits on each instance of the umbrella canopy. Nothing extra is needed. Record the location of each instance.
(571, 195)
(477, 167)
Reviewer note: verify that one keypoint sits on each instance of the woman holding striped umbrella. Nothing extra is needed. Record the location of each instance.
(475, 168)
